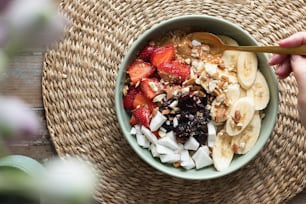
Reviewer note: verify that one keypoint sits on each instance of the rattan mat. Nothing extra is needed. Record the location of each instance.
(78, 93)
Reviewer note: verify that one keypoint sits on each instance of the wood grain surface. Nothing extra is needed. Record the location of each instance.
(23, 79)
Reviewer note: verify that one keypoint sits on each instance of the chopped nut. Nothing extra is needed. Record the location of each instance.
(226, 101)
(177, 164)
(205, 48)
(220, 98)
(235, 148)
(221, 65)
(125, 90)
(220, 84)
(154, 111)
(237, 117)
(217, 92)
(161, 133)
(187, 61)
(165, 112)
(189, 82)
(224, 78)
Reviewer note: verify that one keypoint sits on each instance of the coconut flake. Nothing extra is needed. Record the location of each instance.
(157, 121)
(149, 135)
(168, 142)
(175, 122)
(195, 43)
(202, 158)
(211, 134)
(160, 149)
(142, 141)
(153, 150)
(170, 158)
(191, 144)
(133, 131)
(211, 69)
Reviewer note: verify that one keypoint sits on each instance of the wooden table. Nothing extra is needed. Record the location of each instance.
(24, 80)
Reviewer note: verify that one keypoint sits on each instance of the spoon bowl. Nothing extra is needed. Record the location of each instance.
(217, 46)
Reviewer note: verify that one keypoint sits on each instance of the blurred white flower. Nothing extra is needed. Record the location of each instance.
(16, 118)
(31, 22)
(69, 179)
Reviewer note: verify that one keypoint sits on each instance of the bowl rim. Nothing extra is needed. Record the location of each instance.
(132, 142)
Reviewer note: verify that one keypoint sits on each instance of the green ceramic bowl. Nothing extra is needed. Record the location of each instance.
(216, 26)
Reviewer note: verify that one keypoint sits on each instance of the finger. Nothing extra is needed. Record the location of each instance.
(294, 40)
(298, 64)
(277, 59)
(284, 69)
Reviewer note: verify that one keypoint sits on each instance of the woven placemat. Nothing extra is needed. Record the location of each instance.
(78, 93)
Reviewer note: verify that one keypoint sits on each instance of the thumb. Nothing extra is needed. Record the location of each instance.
(298, 64)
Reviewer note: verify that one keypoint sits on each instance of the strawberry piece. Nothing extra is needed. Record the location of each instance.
(173, 72)
(142, 115)
(146, 53)
(133, 120)
(129, 98)
(162, 55)
(142, 101)
(139, 69)
(151, 87)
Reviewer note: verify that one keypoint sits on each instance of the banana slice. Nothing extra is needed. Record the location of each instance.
(239, 116)
(222, 153)
(246, 69)
(243, 142)
(229, 57)
(259, 92)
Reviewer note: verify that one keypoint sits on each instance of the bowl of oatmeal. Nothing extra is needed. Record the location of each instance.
(191, 113)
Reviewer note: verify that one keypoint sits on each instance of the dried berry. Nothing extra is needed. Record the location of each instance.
(192, 119)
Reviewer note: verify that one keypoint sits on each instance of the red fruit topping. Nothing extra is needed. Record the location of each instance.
(142, 101)
(139, 69)
(142, 115)
(162, 54)
(146, 53)
(133, 120)
(151, 87)
(129, 98)
(173, 72)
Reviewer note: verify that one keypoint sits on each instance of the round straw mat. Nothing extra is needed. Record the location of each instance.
(78, 92)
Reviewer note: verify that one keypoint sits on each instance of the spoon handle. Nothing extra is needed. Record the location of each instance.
(300, 50)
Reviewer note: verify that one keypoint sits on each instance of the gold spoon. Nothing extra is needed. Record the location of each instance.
(217, 46)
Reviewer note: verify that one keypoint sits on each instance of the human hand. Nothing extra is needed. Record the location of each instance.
(297, 65)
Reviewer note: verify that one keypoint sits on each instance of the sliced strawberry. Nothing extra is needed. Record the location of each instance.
(142, 115)
(129, 98)
(162, 55)
(174, 71)
(133, 120)
(139, 69)
(142, 101)
(146, 53)
(151, 87)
